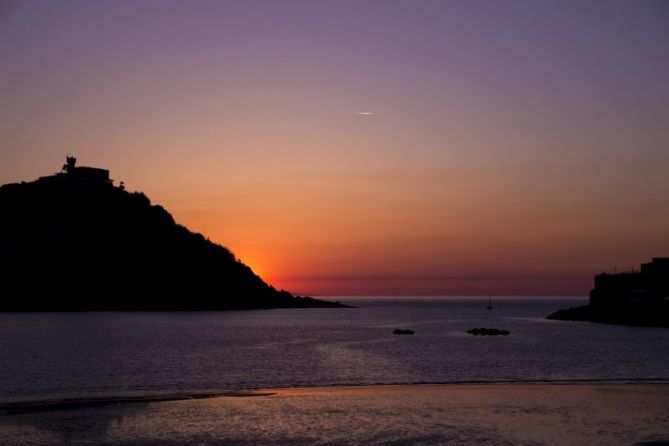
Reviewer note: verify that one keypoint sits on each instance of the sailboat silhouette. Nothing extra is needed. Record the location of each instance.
(489, 307)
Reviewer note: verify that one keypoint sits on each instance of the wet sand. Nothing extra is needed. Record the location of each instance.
(499, 414)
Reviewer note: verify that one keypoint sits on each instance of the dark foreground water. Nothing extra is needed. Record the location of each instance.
(64, 355)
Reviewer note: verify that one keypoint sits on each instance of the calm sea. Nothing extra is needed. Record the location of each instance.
(64, 355)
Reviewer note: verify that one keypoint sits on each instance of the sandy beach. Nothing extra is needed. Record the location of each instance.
(499, 414)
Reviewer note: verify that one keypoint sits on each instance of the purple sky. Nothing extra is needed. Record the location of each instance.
(514, 147)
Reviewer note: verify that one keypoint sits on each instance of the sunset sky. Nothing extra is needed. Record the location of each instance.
(363, 147)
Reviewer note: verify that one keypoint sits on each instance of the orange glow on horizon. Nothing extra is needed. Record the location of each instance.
(258, 264)
(492, 162)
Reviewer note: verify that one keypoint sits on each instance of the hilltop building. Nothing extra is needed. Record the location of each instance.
(71, 172)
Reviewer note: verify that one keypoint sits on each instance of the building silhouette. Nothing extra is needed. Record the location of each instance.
(72, 172)
(648, 287)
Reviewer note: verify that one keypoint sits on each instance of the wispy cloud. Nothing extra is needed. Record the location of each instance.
(364, 113)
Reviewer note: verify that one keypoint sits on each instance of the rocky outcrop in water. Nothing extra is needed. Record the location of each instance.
(488, 332)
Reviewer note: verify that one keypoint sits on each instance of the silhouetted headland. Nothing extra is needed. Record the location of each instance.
(630, 298)
(75, 242)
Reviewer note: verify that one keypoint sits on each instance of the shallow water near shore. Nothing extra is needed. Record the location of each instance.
(399, 415)
(98, 355)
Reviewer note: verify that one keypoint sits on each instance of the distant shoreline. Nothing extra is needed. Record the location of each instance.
(585, 313)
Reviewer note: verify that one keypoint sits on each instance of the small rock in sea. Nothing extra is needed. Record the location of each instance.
(399, 331)
(487, 332)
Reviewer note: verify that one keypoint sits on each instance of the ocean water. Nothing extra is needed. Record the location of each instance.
(67, 355)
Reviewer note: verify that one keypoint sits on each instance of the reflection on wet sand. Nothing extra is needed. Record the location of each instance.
(80, 420)
(65, 427)
(428, 414)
